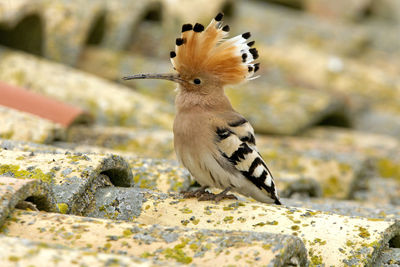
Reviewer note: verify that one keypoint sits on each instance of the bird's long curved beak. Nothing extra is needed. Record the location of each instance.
(162, 76)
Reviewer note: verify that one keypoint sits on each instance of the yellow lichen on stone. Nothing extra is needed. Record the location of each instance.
(17, 172)
(388, 168)
(63, 208)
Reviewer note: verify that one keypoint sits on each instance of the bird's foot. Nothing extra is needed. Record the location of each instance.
(196, 193)
(217, 197)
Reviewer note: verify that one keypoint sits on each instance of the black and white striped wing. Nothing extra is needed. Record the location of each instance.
(236, 143)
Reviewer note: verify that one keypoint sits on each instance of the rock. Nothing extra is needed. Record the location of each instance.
(165, 245)
(382, 119)
(386, 9)
(148, 173)
(381, 150)
(369, 209)
(355, 9)
(282, 110)
(107, 102)
(277, 26)
(18, 125)
(22, 251)
(266, 106)
(323, 234)
(141, 142)
(314, 166)
(114, 65)
(74, 178)
(159, 174)
(13, 191)
(64, 28)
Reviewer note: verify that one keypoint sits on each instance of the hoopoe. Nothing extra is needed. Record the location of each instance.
(213, 141)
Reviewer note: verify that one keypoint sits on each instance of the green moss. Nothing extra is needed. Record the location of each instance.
(15, 171)
(315, 259)
(7, 135)
(363, 232)
(193, 247)
(295, 227)
(259, 224)
(76, 158)
(127, 233)
(178, 254)
(13, 258)
(266, 246)
(177, 186)
(332, 187)
(63, 208)
(388, 169)
(142, 180)
(228, 219)
(344, 167)
(319, 241)
(147, 255)
(186, 210)
(241, 219)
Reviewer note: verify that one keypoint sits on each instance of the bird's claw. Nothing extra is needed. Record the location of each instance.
(216, 197)
(195, 194)
(202, 195)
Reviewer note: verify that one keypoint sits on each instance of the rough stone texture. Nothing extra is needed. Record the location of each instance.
(313, 72)
(371, 94)
(117, 203)
(148, 173)
(13, 191)
(159, 243)
(380, 119)
(18, 125)
(371, 210)
(107, 102)
(158, 174)
(58, 19)
(315, 166)
(279, 25)
(355, 9)
(390, 258)
(282, 110)
(66, 26)
(330, 72)
(387, 9)
(382, 151)
(359, 240)
(22, 252)
(74, 178)
(142, 142)
(271, 109)
(113, 65)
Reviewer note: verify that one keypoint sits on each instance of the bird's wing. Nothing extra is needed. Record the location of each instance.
(236, 143)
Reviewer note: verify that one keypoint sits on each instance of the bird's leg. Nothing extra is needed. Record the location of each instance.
(196, 193)
(218, 197)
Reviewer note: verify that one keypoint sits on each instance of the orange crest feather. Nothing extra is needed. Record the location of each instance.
(205, 51)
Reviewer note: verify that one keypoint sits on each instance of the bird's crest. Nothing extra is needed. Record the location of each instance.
(206, 50)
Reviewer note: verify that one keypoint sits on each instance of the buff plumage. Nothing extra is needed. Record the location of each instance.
(213, 141)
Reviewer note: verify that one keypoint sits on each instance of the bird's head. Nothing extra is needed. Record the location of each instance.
(204, 59)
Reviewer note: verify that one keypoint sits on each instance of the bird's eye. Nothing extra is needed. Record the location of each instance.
(197, 81)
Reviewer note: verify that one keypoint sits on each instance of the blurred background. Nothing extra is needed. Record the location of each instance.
(326, 107)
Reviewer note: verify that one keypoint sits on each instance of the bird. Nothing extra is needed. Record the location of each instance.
(215, 143)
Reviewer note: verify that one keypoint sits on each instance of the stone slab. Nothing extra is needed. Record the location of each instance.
(13, 191)
(171, 244)
(73, 178)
